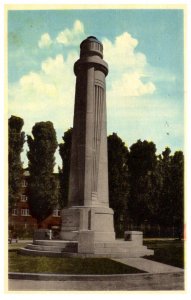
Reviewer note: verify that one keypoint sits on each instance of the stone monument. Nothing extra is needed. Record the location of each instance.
(88, 215)
(87, 223)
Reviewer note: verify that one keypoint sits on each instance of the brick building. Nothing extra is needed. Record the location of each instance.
(20, 220)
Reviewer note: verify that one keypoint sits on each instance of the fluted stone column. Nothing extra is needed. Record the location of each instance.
(88, 213)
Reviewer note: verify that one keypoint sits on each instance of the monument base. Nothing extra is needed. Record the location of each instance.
(88, 232)
(86, 246)
(82, 222)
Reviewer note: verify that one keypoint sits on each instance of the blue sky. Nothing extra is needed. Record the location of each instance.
(145, 86)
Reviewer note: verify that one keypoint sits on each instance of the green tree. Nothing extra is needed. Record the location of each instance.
(16, 142)
(177, 173)
(43, 192)
(64, 172)
(172, 192)
(165, 209)
(142, 162)
(118, 181)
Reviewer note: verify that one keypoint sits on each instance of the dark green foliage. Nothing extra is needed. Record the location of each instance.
(118, 181)
(166, 202)
(43, 193)
(143, 188)
(142, 158)
(177, 173)
(16, 142)
(65, 152)
(142, 177)
(172, 189)
(156, 186)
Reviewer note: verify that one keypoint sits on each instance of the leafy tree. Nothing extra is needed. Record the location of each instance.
(118, 181)
(142, 162)
(65, 151)
(177, 173)
(43, 193)
(16, 142)
(165, 209)
(142, 185)
(172, 192)
(142, 158)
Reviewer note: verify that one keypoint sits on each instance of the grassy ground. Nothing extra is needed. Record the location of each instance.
(169, 252)
(15, 246)
(166, 251)
(28, 264)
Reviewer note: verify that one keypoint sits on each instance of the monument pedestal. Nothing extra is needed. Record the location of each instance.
(80, 220)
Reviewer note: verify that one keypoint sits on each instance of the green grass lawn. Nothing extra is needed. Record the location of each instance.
(169, 252)
(15, 246)
(166, 251)
(37, 264)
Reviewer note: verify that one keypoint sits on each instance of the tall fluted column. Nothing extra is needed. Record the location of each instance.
(88, 202)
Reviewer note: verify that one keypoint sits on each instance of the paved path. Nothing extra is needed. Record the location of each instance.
(160, 277)
(131, 282)
(149, 266)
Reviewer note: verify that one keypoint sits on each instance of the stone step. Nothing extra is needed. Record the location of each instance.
(59, 243)
(65, 248)
(30, 252)
(116, 255)
(120, 245)
(129, 252)
(115, 244)
(119, 249)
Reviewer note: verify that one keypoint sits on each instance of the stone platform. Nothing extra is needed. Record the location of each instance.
(115, 249)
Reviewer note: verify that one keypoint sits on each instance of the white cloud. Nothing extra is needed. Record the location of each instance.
(47, 94)
(145, 118)
(135, 108)
(71, 36)
(131, 85)
(128, 69)
(45, 41)
(122, 55)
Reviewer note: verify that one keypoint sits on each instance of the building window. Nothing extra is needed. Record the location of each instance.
(24, 183)
(25, 212)
(56, 213)
(24, 198)
(14, 212)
